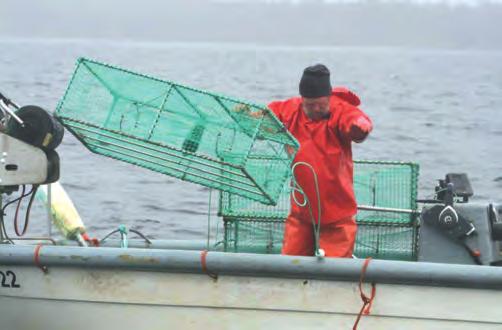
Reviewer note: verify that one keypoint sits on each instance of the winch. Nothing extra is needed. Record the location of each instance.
(455, 231)
(28, 137)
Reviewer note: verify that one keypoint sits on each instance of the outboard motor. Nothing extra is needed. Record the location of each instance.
(454, 231)
(28, 137)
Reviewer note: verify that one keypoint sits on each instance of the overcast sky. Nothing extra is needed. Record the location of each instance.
(449, 24)
(426, 2)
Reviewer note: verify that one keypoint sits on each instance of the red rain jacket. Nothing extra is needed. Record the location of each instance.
(326, 145)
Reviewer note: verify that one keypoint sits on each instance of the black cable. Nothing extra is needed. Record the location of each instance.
(27, 217)
(2, 214)
(110, 234)
(16, 230)
(23, 195)
(15, 200)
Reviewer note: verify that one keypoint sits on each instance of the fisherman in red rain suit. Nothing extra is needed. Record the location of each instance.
(325, 121)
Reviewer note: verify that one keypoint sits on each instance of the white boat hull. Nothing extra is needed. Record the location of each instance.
(75, 298)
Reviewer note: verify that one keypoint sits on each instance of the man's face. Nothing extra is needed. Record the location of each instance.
(316, 108)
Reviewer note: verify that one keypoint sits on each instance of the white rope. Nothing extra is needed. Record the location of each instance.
(297, 188)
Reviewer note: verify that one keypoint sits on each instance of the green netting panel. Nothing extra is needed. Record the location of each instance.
(180, 131)
(252, 227)
(386, 185)
(376, 183)
(236, 206)
(396, 242)
(253, 236)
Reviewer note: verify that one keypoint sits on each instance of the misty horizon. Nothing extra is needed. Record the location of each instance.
(286, 23)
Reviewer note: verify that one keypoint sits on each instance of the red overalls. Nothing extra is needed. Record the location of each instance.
(326, 146)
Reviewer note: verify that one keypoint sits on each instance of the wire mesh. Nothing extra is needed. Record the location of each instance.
(394, 242)
(253, 227)
(190, 134)
(253, 236)
(376, 183)
(386, 185)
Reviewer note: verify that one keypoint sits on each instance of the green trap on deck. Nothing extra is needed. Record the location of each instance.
(194, 135)
(253, 227)
(265, 236)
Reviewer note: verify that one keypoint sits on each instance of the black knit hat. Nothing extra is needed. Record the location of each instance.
(315, 82)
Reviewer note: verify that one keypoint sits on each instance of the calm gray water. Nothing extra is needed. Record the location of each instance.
(438, 108)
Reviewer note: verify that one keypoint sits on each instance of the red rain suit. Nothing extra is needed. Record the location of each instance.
(326, 146)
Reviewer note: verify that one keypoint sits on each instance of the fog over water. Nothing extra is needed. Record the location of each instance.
(430, 76)
(439, 24)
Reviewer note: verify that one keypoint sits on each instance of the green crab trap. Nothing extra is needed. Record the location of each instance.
(257, 228)
(190, 134)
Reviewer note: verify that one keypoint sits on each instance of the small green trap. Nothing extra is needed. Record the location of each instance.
(194, 135)
(256, 228)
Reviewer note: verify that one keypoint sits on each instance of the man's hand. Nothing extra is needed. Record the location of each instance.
(360, 129)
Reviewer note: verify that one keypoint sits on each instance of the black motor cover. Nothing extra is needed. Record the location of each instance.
(52, 166)
(40, 128)
(448, 221)
(446, 241)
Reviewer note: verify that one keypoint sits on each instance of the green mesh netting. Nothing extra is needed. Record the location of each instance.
(252, 227)
(394, 242)
(386, 185)
(384, 241)
(180, 131)
(376, 183)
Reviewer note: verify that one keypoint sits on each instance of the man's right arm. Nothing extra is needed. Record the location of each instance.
(353, 123)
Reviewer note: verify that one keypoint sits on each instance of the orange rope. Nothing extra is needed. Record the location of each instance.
(92, 241)
(37, 259)
(367, 301)
(203, 263)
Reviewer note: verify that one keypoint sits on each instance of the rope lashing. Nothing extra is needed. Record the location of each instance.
(203, 264)
(123, 236)
(92, 241)
(367, 301)
(36, 259)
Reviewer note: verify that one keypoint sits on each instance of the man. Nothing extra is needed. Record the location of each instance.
(325, 121)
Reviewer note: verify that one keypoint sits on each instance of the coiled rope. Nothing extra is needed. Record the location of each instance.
(367, 301)
(297, 188)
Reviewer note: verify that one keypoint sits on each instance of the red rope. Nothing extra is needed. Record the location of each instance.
(367, 301)
(37, 259)
(92, 241)
(203, 263)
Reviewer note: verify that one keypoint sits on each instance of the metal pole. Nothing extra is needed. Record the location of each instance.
(242, 264)
(6, 108)
(1, 222)
(386, 209)
(80, 239)
(49, 210)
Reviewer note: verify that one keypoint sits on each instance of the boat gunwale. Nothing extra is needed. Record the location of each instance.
(244, 264)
